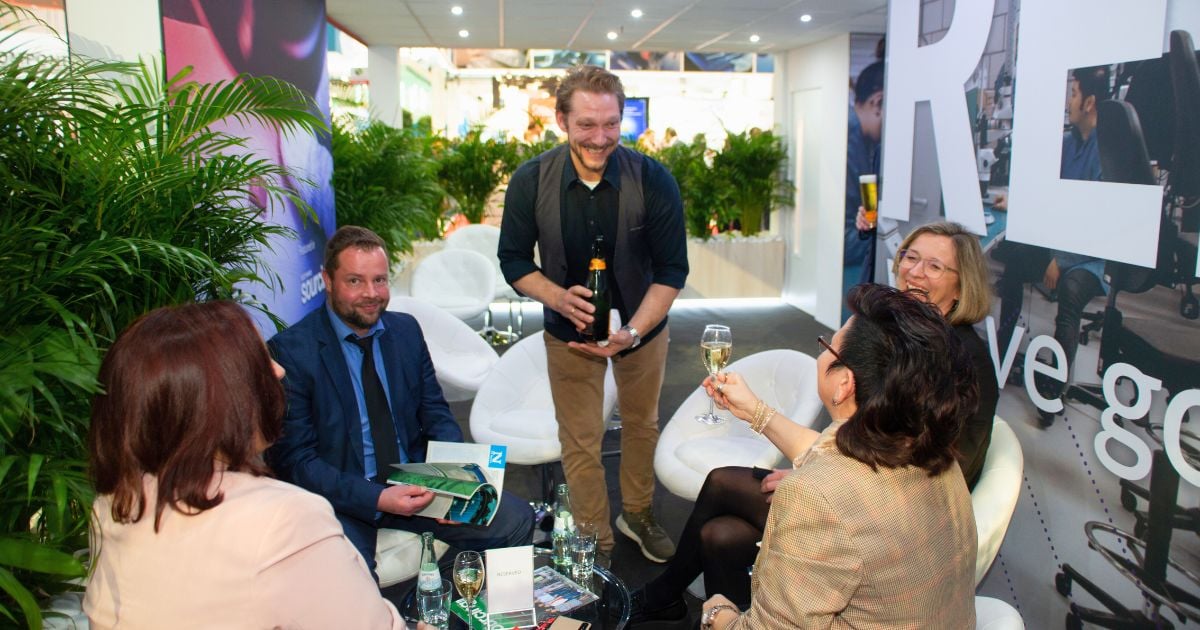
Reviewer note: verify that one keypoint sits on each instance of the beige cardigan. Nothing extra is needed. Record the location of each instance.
(269, 556)
(848, 547)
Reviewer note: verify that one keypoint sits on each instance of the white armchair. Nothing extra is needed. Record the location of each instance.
(995, 495)
(688, 450)
(513, 406)
(995, 614)
(485, 240)
(460, 281)
(461, 358)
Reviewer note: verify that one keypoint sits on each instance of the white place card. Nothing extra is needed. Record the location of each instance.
(509, 580)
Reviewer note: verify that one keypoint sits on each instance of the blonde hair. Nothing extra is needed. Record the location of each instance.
(974, 291)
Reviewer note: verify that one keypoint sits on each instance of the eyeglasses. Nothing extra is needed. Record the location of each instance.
(934, 268)
(825, 346)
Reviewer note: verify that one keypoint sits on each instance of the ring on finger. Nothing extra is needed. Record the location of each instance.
(720, 386)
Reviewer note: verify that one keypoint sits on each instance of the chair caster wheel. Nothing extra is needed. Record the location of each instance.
(1062, 584)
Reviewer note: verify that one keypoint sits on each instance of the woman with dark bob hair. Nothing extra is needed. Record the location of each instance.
(940, 263)
(874, 526)
(188, 528)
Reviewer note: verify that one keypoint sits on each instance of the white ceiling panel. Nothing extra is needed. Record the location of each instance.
(715, 25)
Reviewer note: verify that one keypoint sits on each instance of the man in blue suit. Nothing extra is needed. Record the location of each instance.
(344, 412)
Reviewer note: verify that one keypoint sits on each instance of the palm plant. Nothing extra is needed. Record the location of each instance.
(386, 179)
(472, 168)
(706, 195)
(119, 196)
(753, 162)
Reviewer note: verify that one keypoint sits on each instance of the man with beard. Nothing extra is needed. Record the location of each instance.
(362, 395)
(561, 201)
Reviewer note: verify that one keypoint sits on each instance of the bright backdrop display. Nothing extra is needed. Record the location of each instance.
(985, 124)
(284, 39)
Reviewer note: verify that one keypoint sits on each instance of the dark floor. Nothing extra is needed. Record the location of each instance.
(755, 327)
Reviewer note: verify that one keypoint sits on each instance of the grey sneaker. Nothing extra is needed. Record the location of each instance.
(640, 526)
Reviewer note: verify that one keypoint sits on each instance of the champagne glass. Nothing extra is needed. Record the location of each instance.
(716, 346)
(468, 578)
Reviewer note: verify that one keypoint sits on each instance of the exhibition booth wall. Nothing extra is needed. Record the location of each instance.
(1084, 466)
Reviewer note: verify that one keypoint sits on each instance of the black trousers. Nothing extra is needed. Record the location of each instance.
(1024, 264)
(719, 539)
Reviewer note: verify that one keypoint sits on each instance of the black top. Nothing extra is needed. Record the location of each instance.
(976, 433)
(587, 212)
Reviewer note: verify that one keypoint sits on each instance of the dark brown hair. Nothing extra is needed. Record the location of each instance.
(346, 237)
(184, 386)
(592, 79)
(913, 382)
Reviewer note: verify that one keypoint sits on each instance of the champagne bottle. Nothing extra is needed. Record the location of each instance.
(428, 579)
(564, 524)
(597, 282)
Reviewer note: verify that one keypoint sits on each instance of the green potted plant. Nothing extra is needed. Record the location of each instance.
(752, 162)
(707, 197)
(471, 168)
(386, 179)
(119, 197)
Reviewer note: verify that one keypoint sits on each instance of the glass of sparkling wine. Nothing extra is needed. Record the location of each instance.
(582, 546)
(716, 346)
(468, 578)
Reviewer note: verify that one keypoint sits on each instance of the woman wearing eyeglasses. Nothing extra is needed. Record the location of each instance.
(940, 263)
(874, 526)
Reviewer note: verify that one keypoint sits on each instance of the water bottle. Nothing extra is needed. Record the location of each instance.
(564, 524)
(428, 579)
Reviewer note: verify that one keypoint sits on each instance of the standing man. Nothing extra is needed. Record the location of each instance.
(561, 200)
(1074, 279)
(362, 395)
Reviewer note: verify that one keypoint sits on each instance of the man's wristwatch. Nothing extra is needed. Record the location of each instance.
(633, 332)
(710, 616)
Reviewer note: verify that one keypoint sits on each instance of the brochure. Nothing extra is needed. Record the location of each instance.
(461, 491)
(466, 480)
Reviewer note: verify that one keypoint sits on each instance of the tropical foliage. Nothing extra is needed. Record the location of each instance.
(752, 162)
(120, 195)
(471, 168)
(386, 179)
(706, 197)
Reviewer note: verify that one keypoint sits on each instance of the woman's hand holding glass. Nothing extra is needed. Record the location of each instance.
(730, 392)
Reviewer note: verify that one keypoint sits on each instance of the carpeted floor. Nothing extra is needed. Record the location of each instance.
(757, 325)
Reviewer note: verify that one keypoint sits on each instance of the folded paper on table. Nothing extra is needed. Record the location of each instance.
(553, 594)
(510, 580)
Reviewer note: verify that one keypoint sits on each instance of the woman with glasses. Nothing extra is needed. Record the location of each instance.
(940, 263)
(874, 527)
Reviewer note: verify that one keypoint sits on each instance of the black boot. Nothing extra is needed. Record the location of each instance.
(643, 612)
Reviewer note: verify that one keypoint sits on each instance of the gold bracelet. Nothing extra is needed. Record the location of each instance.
(761, 423)
(758, 408)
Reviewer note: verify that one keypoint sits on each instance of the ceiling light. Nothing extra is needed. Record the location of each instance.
(754, 39)
(636, 13)
(464, 33)
(612, 34)
(456, 10)
(806, 18)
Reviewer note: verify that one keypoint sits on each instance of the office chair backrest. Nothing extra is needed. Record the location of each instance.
(1123, 159)
(1185, 86)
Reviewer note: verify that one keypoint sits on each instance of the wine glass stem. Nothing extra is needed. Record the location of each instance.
(712, 410)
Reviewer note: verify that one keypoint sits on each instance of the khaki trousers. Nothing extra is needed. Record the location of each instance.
(577, 386)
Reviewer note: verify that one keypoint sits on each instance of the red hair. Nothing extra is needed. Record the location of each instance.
(183, 386)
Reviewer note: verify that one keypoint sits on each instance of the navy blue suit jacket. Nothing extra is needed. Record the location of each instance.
(321, 449)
